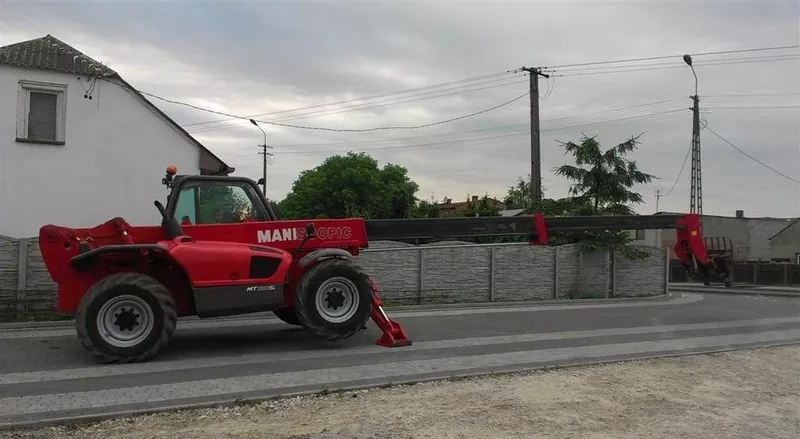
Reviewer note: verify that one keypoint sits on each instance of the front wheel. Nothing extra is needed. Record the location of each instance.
(334, 299)
(126, 318)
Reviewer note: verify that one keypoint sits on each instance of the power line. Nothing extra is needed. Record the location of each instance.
(741, 151)
(653, 58)
(459, 142)
(429, 136)
(382, 95)
(674, 63)
(462, 81)
(685, 159)
(364, 130)
(676, 66)
(756, 107)
(354, 108)
(756, 95)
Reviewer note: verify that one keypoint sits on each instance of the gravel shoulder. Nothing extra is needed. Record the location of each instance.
(740, 394)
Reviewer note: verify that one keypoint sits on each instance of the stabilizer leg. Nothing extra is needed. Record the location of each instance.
(393, 334)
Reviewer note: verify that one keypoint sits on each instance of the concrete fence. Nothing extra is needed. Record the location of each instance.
(444, 272)
(463, 272)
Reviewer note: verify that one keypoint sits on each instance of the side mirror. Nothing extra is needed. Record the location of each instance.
(311, 232)
(260, 181)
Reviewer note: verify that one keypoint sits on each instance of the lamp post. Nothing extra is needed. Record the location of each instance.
(265, 153)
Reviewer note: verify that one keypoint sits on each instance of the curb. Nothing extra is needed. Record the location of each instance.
(737, 292)
(63, 324)
(230, 402)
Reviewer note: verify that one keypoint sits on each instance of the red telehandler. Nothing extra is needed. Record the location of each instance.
(127, 285)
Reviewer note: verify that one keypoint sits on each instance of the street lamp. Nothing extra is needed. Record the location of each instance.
(688, 60)
(264, 151)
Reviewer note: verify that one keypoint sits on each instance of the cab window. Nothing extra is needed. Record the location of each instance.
(186, 207)
(217, 202)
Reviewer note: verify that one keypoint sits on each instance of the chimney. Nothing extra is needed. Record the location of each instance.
(740, 214)
(474, 198)
(447, 200)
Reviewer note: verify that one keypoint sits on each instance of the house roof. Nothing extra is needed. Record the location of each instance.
(511, 212)
(50, 53)
(789, 226)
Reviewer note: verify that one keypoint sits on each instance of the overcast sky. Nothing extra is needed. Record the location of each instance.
(255, 58)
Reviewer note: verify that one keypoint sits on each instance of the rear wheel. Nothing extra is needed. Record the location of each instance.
(126, 318)
(333, 299)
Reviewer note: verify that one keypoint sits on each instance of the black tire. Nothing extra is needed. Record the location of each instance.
(288, 315)
(140, 290)
(343, 272)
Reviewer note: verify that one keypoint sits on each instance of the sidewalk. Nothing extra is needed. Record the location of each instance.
(743, 288)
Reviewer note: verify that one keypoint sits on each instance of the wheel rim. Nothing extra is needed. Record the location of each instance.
(125, 321)
(337, 300)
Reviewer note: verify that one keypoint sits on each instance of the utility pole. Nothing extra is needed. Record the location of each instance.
(266, 155)
(536, 163)
(696, 188)
(658, 198)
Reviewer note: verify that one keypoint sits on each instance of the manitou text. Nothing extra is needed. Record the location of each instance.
(297, 233)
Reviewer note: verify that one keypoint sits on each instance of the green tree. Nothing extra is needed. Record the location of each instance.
(519, 194)
(352, 185)
(602, 183)
(482, 208)
(425, 209)
(234, 208)
(276, 207)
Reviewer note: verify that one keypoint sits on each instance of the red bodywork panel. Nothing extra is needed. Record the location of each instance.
(199, 260)
(690, 241)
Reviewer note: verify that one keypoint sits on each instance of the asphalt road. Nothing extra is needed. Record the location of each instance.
(46, 376)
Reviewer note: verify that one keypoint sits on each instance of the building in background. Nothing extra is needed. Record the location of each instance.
(449, 208)
(751, 237)
(785, 245)
(79, 145)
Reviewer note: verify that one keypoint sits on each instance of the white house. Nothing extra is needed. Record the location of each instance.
(79, 145)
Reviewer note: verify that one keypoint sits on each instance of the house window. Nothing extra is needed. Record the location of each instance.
(41, 112)
(639, 235)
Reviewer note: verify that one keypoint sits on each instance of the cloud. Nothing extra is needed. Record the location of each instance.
(255, 58)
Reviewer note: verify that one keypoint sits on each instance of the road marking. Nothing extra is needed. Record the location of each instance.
(331, 376)
(685, 298)
(200, 363)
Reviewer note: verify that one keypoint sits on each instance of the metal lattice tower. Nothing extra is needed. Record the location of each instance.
(696, 190)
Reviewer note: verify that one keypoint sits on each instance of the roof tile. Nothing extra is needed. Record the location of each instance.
(50, 53)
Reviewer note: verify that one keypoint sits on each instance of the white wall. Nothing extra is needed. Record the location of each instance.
(650, 237)
(111, 165)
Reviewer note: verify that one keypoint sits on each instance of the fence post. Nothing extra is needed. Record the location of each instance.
(755, 273)
(786, 274)
(613, 257)
(667, 270)
(491, 273)
(580, 271)
(22, 273)
(421, 283)
(555, 273)
(609, 274)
